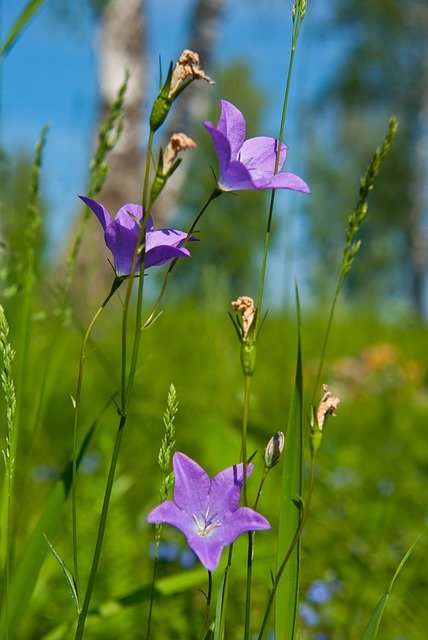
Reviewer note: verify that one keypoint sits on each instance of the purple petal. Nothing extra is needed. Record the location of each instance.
(286, 180)
(226, 488)
(127, 214)
(236, 176)
(259, 156)
(169, 513)
(221, 146)
(243, 519)
(159, 255)
(192, 484)
(232, 125)
(99, 210)
(122, 240)
(208, 550)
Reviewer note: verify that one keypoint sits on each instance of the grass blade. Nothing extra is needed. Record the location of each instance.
(290, 512)
(370, 632)
(67, 574)
(20, 24)
(25, 577)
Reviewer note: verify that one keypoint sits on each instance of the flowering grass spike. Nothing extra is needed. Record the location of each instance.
(121, 235)
(248, 164)
(206, 510)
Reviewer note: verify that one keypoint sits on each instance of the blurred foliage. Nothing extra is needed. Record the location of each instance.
(15, 172)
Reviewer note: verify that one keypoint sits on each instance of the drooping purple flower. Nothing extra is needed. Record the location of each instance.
(248, 164)
(121, 235)
(206, 510)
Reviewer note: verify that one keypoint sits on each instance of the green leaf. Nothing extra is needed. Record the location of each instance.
(290, 507)
(25, 577)
(220, 618)
(67, 575)
(370, 632)
(19, 25)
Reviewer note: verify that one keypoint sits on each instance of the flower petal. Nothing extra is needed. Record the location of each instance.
(99, 210)
(226, 488)
(259, 156)
(122, 240)
(287, 180)
(221, 146)
(192, 484)
(207, 549)
(169, 513)
(242, 520)
(128, 213)
(232, 125)
(236, 177)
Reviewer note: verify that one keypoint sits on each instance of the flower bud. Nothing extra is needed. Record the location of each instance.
(274, 449)
(248, 358)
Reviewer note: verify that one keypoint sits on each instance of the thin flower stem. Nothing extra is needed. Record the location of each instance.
(245, 414)
(250, 556)
(114, 288)
(152, 590)
(295, 34)
(216, 192)
(208, 606)
(290, 549)
(101, 530)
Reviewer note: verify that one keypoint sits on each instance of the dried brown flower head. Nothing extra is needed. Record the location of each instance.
(187, 66)
(245, 305)
(327, 406)
(177, 142)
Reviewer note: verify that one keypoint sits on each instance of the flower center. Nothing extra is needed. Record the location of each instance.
(206, 523)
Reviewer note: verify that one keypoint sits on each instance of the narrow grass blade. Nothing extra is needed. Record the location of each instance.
(67, 574)
(20, 24)
(25, 577)
(370, 632)
(290, 503)
(219, 622)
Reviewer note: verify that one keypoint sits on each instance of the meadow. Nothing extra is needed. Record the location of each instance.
(286, 444)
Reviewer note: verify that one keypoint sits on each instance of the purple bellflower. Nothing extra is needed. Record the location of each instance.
(248, 164)
(206, 510)
(121, 235)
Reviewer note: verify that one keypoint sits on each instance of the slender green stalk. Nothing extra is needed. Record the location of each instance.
(24, 325)
(127, 381)
(290, 549)
(208, 607)
(117, 282)
(8, 388)
(216, 192)
(101, 530)
(299, 10)
(352, 245)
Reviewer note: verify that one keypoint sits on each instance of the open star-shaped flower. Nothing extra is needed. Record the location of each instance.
(206, 510)
(121, 235)
(248, 164)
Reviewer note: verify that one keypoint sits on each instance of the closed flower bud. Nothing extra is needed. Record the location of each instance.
(248, 358)
(274, 449)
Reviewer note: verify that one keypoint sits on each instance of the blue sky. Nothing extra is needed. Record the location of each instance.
(50, 77)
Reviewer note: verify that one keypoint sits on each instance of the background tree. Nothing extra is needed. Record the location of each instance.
(383, 69)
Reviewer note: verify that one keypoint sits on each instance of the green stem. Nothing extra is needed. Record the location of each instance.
(208, 606)
(216, 192)
(101, 531)
(245, 415)
(116, 283)
(152, 590)
(290, 549)
(296, 30)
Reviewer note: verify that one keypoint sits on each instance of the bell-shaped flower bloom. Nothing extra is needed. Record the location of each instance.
(206, 510)
(121, 236)
(248, 164)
